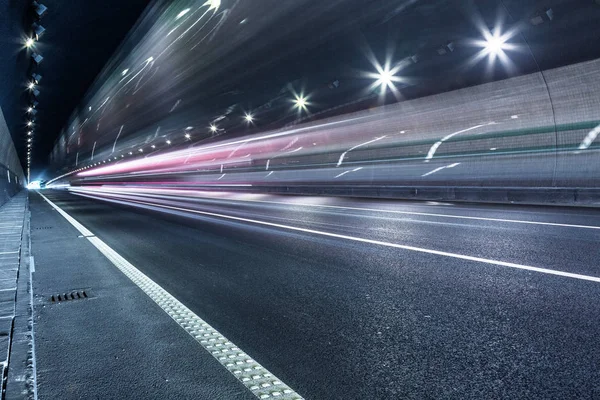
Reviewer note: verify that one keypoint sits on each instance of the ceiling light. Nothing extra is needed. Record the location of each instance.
(187, 136)
(495, 44)
(300, 102)
(30, 85)
(248, 117)
(213, 128)
(385, 77)
(29, 42)
(168, 142)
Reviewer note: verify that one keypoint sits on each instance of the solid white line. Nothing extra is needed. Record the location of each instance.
(513, 221)
(381, 243)
(254, 376)
(33, 358)
(8, 252)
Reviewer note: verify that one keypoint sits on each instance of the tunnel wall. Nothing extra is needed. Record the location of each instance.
(530, 138)
(12, 178)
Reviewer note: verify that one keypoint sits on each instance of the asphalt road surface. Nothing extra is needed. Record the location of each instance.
(368, 299)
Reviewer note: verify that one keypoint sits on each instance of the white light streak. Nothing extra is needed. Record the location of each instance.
(182, 13)
(589, 138)
(440, 168)
(341, 160)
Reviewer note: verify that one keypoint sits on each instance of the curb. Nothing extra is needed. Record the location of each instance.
(21, 380)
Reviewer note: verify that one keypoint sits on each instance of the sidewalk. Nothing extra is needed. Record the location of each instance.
(113, 342)
(12, 223)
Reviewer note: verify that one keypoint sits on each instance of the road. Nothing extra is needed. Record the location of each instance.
(370, 299)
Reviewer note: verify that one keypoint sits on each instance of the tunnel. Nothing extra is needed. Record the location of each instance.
(302, 199)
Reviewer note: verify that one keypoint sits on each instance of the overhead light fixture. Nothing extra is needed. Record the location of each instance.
(30, 85)
(301, 102)
(38, 30)
(30, 109)
(494, 45)
(213, 128)
(30, 133)
(385, 76)
(29, 123)
(187, 136)
(249, 117)
(29, 42)
(168, 142)
(37, 58)
(39, 9)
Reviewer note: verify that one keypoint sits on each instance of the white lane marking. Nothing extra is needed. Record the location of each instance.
(341, 160)
(254, 376)
(32, 328)
(513, 221)
(8, 252)
(372, 241)
(31, 264)
(440, 168)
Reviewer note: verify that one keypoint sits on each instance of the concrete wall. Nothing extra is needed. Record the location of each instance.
(12, 178)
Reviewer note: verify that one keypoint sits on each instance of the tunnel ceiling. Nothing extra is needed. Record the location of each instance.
(80, 37)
